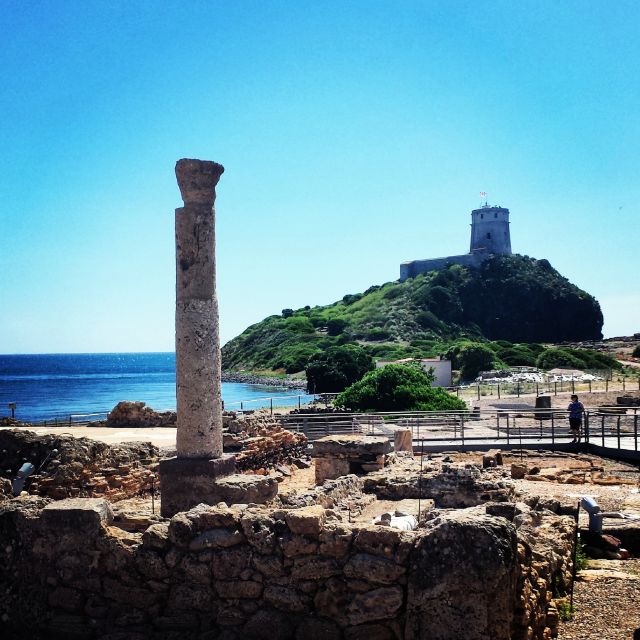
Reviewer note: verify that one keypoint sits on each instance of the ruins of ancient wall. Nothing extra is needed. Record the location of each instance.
(268, 573)
(415, 267)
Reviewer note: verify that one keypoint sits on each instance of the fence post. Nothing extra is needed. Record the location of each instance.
(635, 429)
(458, 392)
(508, 428)
(478, 386)
(69, 420)
(499, 388)
(555, 387)
(553, 429)
(586, 427)
(271, 405)
(606, 385)
(573, 385)
(537, 393)
(623, 382)
(603, 430)
(498, 423)
(618, 431)
(518, 389)
(589, 386)
(462, 428)
(299, 402)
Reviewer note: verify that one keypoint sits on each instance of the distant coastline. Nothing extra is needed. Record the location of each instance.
(269, 381)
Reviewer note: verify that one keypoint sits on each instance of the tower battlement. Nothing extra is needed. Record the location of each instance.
(490, 235)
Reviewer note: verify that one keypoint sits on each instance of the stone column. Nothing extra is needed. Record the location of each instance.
(197, 325)
(189, 478)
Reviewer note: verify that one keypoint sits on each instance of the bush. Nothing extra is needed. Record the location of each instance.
(299, 324)
(376, 334)
(287, 313)
(566, 358)
(636, 352)
(474, 358)
(397, 387)
(336, 368)
(336, 326)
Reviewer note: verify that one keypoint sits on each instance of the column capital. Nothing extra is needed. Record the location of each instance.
(197, 180)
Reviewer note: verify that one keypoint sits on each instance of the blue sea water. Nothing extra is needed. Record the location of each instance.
(59, 385)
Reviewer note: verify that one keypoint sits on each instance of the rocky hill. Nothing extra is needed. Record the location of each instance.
(513, 298)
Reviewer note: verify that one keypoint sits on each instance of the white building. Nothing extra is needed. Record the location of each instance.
(441, 368)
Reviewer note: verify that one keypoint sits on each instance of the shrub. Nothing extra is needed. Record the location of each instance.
(336, 326)
(473, 358)
(558, 358)
(376, 334)
(299, 324)
(336, 368)
(287, 313)
(397, 387)
(636, 352)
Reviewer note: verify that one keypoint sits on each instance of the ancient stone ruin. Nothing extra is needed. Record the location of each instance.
(300, 567)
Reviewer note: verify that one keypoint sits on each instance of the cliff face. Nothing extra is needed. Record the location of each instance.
(514, 298)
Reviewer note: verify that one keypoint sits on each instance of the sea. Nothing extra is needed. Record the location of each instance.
(86, 386)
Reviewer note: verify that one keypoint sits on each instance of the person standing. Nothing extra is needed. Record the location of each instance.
(576, 411)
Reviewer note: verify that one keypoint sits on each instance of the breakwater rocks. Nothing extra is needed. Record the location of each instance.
(270, 381)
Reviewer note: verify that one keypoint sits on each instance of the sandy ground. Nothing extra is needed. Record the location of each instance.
(160, 436)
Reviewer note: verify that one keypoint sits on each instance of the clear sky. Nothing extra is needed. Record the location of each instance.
(355, 135)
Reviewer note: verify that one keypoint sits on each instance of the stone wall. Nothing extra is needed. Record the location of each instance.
(251, 573)
(415, 267)
(255, 572)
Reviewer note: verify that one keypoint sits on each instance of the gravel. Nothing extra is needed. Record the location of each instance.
(606, 608)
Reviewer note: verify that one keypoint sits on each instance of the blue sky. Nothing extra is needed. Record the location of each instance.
(355, 135)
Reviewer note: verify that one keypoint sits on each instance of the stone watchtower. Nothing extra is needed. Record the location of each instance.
(490, 230)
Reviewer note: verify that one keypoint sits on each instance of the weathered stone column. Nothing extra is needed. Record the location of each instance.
(197, 324)
(189, 479)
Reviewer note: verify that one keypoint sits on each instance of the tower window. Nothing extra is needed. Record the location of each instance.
(495, 215)
(482, 216)
(488, 236)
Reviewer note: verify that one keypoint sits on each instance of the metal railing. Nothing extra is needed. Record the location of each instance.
(478, 390)
(612, 427)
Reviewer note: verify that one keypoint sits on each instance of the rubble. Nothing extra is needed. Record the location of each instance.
(138, 414)
(79, 467)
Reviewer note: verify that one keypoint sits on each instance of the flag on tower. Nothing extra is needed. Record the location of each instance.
(483, 194)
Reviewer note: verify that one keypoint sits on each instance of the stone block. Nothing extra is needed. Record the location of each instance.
(372, 568)
(378, 604)
(352, 446)
(518, 470)
(187, 482)
(306, 521)
(86, 515)
(156, 536)
(216, 539)
(238, 589)
(330, 469)
(246, 489)
(403, 440)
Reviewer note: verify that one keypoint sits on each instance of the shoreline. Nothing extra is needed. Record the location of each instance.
(269, 381)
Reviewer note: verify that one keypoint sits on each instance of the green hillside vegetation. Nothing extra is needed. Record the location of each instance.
(510, 301)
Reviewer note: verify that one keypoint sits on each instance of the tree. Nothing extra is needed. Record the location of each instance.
(336, 368)
(287, 313)
(397, 387)
(473, 358)
(636, 352)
